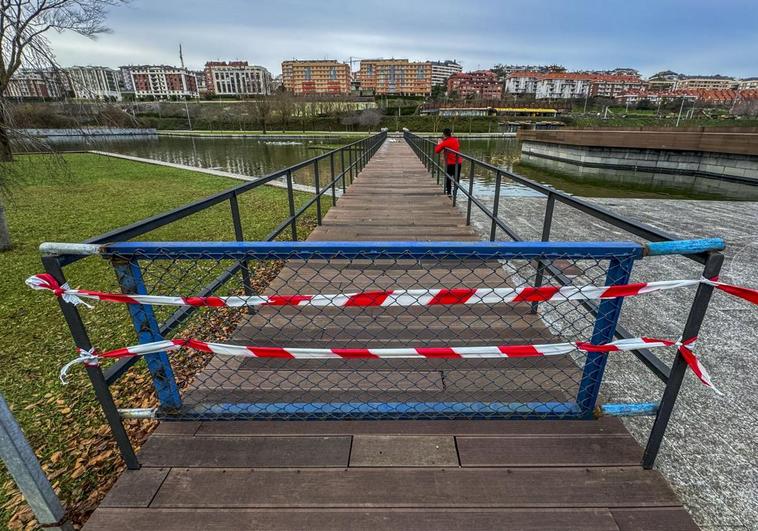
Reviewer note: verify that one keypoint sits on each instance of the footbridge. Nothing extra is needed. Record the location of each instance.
(398, 369)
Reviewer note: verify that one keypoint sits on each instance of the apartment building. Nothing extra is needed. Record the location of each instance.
(705, 83)
(95, 83)
(568, 85)
(29, 83)
(160, 82)
(522, 82)
(316, 77)
(442, 70)
(236, 79)
(563, 85)
(481, 84)
(610, 85)
(749, 83)
(396, 77)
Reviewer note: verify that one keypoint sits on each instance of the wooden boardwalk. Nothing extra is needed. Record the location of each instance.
(418, 475)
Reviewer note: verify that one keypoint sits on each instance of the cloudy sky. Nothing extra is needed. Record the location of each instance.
(688, 36)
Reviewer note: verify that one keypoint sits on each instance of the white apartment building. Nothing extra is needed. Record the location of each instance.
(561, 85)
(705, 82)
(442, 70)
(160, 82)
(610, 86)
(749, 83)
(95, 83)
(236, 78)
(522, 82)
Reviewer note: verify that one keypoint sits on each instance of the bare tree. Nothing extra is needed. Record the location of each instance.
(24, 29)
(286, 107)
(370, 118)
(746, 108)
(24, 26)
(263, 109)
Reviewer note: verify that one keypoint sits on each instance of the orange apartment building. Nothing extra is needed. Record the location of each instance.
(396, 77)
(316, 77)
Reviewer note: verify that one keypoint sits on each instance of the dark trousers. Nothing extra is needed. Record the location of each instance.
(454, 171)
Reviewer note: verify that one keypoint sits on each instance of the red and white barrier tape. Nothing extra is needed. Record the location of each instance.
(414, 297)
(503, 351)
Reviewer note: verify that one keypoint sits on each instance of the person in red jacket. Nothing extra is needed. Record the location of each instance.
(453, 161)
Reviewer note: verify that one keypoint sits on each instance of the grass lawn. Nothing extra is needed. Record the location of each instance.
(70, 202)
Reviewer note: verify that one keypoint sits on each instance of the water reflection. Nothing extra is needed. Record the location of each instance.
(256, 158)
(244, 156)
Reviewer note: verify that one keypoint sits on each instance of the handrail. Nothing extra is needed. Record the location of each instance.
(424, 149)
(159, 220)
(637, 228)
(353, 158)
(706, 252)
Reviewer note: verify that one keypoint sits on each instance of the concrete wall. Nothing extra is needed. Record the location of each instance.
(89, 131)
(659, 168)
(711, 140)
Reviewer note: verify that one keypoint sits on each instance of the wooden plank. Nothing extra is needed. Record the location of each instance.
(549, 451)
(182, 451)
(185, 427)
(605, 426)
(654, 519)
(420, 487)
(135, 488)
(405, 451)
(350, 520)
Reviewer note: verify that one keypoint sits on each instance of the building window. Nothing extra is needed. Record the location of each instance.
(333, 74)
(370, 70)
(420, 72)
(307, 73)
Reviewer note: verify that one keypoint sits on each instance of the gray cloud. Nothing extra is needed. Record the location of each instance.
(695, 36)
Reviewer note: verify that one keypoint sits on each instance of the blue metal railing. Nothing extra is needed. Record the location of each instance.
(619, 258)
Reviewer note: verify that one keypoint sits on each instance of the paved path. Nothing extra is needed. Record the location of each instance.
(420, 475)
(709, 453)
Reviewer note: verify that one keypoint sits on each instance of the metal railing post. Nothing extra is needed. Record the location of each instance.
(291, 203)
(619, 271)
(437, 168)
(22, 463)
(240, 237)
(350, 152)
(129, 274)
(317, 185)
(102, 392)
(471, 176)
(342, 170)
(547, 224)
(495, 205)
(454, 185)
(679, 368)
(332, 178)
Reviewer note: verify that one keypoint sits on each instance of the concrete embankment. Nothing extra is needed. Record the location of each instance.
(219, 173)
(710, 447)
(706, 160)
(87, 132)
(319, 136)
